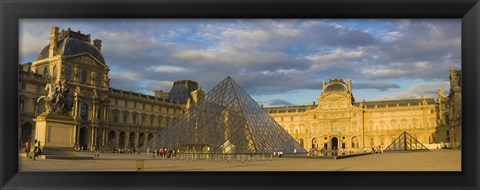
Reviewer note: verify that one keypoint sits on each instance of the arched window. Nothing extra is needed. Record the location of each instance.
(84, 111)
(45, 72)
(68, 73)
(54, 71)
(84, 76)
(98, 80)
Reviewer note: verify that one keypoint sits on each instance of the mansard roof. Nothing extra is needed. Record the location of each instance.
(72, 46)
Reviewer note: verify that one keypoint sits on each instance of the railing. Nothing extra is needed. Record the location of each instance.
(215, 157)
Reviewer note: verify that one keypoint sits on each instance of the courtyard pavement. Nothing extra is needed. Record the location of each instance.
(435, 160)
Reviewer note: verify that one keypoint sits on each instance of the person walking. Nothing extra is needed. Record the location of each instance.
(97, 151)
(155, 152)
(27, 146)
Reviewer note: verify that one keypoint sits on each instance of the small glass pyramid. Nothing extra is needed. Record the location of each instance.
(226, 121)
(405, 142)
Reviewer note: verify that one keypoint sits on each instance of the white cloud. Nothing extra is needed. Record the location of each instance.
(336, 54)
(167, 69)
(369, 73)
(426, 90)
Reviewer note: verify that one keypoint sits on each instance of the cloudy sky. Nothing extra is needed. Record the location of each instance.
(278, 62)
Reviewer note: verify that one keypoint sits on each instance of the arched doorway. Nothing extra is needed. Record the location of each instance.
(131, 139)
(26, 133)
(111, 139)
(83, 138)
(122, 137)
(354, 142)
(334, 143)
(150, 137)
(141, 139)
(301, 142)
(314, 143)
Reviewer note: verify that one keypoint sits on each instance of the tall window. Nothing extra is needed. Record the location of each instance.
(115, 117)
(21, 106)
(23, 86)
(54, 71)
(84, 76)
(68, 73)
(125, 118)
(98, 80)
(45, 72)
(84, 111)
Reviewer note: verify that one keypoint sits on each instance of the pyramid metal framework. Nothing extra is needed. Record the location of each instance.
(405, 142)
(226, 121)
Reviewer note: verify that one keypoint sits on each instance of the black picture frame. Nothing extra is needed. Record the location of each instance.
(11, 11)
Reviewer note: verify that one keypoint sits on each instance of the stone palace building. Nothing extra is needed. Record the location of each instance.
(338, 122)
(103, 115)
(117, 118)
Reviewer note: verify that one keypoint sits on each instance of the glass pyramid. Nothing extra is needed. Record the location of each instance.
(226, 121)
(405, 142)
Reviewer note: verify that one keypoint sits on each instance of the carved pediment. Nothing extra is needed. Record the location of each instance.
(87, 60)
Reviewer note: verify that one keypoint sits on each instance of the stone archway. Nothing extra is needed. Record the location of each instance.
(334, 143)
(26, 133)
(150, 137)
(314, 143)
(355, 142)
(122, 137)
(141, 139)
(111, 139)
(301, 142)
(83, 138)
(131, 139)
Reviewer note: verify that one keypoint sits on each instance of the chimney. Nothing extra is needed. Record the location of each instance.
(349, 85)
(98, 44)
(53, 40)
(324, 84)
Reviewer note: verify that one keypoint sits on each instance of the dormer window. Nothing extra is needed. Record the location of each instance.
(68, 73)
(98, 80)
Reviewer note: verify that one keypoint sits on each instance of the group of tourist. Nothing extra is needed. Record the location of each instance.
(128, 150)
(163, 153)
(36, 147)
(324, 152)
(377, 149)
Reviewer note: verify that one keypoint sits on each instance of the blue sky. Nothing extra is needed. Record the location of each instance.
(277, 61)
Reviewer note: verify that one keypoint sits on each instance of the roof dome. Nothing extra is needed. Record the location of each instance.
(72, 46)
(335, 87)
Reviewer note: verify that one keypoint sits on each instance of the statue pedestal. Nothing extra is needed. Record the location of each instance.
(55, 131)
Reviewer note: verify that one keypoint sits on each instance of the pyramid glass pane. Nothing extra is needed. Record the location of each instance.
(226, 121)
(405, 142)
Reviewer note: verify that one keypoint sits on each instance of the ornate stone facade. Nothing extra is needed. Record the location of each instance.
(337, 121)
(449, 112)
(104, 116)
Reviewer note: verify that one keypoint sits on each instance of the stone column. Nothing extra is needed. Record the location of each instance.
(77, 107)
(77, 132)
(93, 137)
(145, 139)
(105, 113)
